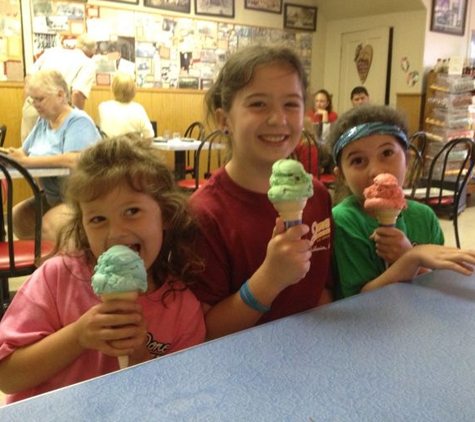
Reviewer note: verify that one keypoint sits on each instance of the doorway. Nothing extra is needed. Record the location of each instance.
(366, 61)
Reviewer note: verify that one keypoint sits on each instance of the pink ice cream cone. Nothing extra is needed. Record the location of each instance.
(385, 198)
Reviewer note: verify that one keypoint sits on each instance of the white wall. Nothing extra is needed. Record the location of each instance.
(408, 41)
(439, 45)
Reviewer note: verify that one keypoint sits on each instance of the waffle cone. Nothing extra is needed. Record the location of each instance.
(131, 295)
(387, 217)
(291, 210)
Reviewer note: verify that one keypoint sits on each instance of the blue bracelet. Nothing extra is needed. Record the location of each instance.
(249, 299)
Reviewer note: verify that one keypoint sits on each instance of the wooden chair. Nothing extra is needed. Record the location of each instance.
(209, 145)
(18, 257)
(196, 130)
(3, 134)
(445, 187)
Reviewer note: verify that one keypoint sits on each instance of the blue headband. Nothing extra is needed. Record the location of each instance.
(367, 129)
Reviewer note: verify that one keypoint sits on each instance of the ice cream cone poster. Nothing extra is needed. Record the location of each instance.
(363, 60)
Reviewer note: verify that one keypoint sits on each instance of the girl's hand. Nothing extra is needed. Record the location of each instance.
(115, 328)
(426, 256)
(439, 257)
(324, 114)
(391, 243)
(288, 256)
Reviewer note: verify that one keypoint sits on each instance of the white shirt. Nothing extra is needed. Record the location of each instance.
(78, 70)
(117, 118)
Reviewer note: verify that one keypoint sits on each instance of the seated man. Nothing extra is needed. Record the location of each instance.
(359, 96)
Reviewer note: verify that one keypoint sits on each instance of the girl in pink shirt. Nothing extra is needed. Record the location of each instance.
(56, 331)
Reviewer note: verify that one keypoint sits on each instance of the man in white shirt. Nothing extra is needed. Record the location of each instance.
(77, 68)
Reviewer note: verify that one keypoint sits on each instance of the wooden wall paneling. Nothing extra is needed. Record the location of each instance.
(11, 94)
(411, 105)
(172, 109)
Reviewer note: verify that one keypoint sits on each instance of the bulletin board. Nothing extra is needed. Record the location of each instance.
(162, 51)
(11, 58)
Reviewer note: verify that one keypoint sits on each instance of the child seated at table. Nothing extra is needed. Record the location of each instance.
(367, 141)
(56, 331)
(255, 270)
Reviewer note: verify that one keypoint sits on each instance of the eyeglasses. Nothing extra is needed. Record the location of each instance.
(36, 100)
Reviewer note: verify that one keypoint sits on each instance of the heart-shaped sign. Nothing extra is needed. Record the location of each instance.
(363, 59)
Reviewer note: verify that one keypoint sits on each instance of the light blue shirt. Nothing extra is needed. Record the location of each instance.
(77, 132)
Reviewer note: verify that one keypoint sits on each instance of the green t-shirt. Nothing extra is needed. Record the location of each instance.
(355, 260)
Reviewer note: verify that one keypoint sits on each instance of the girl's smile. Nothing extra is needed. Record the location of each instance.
(266, 116)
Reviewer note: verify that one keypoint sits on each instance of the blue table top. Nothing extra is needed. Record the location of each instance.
(402, 353)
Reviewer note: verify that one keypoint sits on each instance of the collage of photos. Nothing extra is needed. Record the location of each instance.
(161, 51)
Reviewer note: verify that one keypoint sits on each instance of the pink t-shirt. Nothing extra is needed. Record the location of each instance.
(60, 291)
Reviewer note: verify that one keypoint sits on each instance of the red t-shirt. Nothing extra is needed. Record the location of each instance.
(236, 226)
(317, 118)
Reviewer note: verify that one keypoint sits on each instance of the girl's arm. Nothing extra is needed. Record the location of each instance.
(428, 256)
(34, 364)
(287, 262)
(114, 328)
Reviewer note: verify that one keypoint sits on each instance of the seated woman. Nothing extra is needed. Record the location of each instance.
(60, 132)
(323, 113)
(121, 115)
(322, 108)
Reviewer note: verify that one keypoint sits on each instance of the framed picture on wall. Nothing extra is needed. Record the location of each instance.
(182, 6)
(448, 16)
(299, 17)
(221, 8)
(272, 6)
(124, 1)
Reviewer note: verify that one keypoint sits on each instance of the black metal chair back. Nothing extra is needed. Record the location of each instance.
(414, 171)
(17, 257)
(214, 158)
(448, 175)
(196, 130)
(3, 134)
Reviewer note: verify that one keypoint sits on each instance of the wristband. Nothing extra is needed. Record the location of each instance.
(249, 299)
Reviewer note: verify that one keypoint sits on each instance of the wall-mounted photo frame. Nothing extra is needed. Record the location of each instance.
(271, 6)
(299, 17)
(188, 82)
(182, 6)
(448, 16)
(124, 1)
(221, 8)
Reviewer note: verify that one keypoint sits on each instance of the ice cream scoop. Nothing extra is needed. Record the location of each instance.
(119, 274)
(291, 186)
(385, 198)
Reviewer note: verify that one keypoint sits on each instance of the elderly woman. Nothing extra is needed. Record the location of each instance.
(121, 115)
(60, 132)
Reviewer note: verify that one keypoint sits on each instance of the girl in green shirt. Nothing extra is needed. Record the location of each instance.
(367, 141)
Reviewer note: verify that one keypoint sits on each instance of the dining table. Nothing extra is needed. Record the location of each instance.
(179, 148)
(40, 172)
(404, 352)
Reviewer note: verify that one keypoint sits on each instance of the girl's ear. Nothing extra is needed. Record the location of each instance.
(221, 118)
(338, 174)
